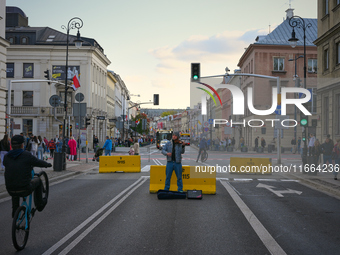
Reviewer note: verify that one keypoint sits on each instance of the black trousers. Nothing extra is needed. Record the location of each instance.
(35, 186)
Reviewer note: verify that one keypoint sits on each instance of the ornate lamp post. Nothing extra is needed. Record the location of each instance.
(297, 21)
(74, 23)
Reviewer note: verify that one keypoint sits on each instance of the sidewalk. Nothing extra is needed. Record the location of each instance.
(72, 168)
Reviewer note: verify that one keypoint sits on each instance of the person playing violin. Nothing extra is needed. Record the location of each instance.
(173, 151)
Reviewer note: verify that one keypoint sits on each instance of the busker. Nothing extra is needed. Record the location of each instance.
(173, 151)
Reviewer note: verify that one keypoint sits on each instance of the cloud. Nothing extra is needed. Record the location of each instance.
(219, 49)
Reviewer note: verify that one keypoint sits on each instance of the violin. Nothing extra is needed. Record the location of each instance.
(179, 142)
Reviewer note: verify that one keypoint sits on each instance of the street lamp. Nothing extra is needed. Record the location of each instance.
(74, 23)
(298, 22)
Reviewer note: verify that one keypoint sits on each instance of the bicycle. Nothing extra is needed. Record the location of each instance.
(24, 214)
(204, 156)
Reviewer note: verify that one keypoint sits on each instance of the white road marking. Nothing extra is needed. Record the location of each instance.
(145, 169)
(277, 192)
(242, 180)
(267, 180)
(132, 188)
(263, 234)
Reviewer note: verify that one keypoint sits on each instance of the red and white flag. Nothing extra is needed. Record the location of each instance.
(76, 83)
(137, 122)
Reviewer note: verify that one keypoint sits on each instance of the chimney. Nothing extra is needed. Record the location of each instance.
(289, 13)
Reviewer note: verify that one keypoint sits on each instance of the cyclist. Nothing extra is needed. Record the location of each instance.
(202, 147)
(18, 174)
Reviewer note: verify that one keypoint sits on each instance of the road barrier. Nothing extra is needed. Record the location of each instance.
(193, 178)
(110, 164)
(251, 165)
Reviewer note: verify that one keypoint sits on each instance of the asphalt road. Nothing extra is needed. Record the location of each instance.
(114, 213)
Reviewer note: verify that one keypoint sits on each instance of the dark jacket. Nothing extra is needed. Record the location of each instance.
(18, 169)
(327, 148)
(4, 146)
(179, 149)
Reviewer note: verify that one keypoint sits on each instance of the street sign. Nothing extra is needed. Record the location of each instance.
(205, 123)
(80, 97)
(206, 129)
(278, 124)
(100, 117)
(55, 100)
(82, 109)
(211, 121)
(278, 110)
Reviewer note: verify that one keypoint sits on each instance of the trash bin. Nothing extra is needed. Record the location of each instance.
(58, 161)
(260, 150)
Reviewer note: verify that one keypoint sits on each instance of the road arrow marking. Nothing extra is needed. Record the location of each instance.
(277, 192)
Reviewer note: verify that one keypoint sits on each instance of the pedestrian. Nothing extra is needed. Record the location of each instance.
(34, 146)
(40, 151)
(263, 143)
(136, 147)
(72, 144)
(59, 144)
(256, 143)
(173, 151)
(311, 144)
(241, 142)
(5, 147)
(95, 143)
(317, 151)
(107, 146)
(293, 143)
(52, 147)
(299, 145)
(18, 175)
(336, 153)
(202, 147)
(327, 149)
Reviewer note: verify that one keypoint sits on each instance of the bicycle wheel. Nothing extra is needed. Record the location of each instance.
(45, 184)
(19, 231)
(204, 156)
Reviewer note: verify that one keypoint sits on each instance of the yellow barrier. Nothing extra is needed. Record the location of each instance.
(191, 180)
(109, 164)
(251, 165)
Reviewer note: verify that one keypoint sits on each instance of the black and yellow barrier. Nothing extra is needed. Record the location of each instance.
(109, 164)
(193, 178)
(251, 165)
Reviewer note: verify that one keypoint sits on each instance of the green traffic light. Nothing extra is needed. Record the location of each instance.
(195, 77)
(303, 138)
(303, 122)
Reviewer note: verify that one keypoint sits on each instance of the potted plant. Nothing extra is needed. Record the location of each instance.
(244, 148)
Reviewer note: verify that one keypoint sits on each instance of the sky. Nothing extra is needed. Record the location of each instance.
(152, 43)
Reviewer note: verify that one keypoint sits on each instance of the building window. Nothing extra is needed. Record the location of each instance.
(337, 52)
(279, 64)
(28, 70)
(27, 98)
(338, 115)
(24, 40)
(326, 115)
(312, 65)
(11, 39)
(9, 70)
(337, 2)
(326, 7)
(27, 125)
(326, 59)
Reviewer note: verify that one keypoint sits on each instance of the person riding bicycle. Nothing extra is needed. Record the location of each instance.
(202, 147)
(18, 174)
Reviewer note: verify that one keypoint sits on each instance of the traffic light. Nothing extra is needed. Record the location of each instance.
(303, 136)
(87, 122)
(303, 120)
(155, 99)
(195, 71)
(47, 75)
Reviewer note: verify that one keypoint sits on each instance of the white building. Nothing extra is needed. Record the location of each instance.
(34, 50)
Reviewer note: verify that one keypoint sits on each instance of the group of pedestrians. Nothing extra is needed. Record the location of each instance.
(330, 151)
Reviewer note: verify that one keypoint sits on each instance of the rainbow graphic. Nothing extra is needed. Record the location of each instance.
(208, 92)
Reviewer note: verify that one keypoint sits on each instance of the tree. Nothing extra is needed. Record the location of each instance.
(139, 128)
(172, 112)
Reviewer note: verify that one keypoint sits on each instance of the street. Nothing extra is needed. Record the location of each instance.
(114, 213)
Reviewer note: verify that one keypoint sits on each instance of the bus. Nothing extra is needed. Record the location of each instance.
(161, 135)
(185, 137)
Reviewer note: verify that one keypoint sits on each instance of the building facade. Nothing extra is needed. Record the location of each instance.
(328, 86)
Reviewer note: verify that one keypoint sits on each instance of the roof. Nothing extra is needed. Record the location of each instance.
(283, 32)
(14, 9)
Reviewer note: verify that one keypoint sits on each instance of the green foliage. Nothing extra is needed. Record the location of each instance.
(168, 113)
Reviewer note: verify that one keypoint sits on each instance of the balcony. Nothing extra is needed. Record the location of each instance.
(18, 111)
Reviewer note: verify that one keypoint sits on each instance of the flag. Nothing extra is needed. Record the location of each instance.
(137, 122)
(199, 122)
(76, 83)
